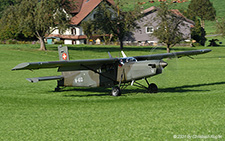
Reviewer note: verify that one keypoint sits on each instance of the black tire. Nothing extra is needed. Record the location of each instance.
(116, 91)
(57, 89)
(152, 88)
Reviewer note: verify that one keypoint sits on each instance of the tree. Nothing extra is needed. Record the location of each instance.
(168, 30)
(221, 26)
(88, 28)
(203, 9)
(37, 18)
(110, 19)
(9, 31)
(198, 33)
(6, 3)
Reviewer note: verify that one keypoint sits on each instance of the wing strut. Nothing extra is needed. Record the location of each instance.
(190, 57)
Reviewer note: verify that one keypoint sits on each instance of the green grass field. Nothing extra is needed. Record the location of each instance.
(190, 99)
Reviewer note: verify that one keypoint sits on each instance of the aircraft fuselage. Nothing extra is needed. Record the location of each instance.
(110, 75)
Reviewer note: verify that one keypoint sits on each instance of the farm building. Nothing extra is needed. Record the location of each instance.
(86, 9)
(148, 23)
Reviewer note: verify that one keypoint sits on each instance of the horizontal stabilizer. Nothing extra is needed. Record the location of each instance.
(34, 80)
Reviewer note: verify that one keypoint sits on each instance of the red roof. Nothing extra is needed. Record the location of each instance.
(85, 8)
(74, 37)
(175, 11)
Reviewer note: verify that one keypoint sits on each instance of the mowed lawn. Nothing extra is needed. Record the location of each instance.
(190, 102)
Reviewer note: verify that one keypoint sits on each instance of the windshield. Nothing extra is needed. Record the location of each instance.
(129, 59)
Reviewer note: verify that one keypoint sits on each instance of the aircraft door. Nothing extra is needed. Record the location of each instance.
(108, 75)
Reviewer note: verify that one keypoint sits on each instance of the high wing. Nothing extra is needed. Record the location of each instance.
(67, 65)
(93, 64)
(171, 55)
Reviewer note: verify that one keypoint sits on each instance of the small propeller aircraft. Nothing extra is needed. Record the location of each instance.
(117, 73)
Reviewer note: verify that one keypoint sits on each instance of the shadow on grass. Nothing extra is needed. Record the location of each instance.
(103, 91)
(185, 87)
(217, 46)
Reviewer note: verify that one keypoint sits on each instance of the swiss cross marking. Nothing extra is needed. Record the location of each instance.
(64, 56)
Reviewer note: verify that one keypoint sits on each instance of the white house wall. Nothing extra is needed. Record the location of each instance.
(68, 42)
(79, 31)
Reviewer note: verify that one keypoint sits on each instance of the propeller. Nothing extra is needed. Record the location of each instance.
(168, 66)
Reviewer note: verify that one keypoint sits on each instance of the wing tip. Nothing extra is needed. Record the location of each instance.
(20, 66)
(206, 50)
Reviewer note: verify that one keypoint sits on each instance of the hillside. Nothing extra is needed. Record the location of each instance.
(209, 25)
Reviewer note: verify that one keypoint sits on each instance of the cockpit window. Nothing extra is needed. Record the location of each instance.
(126, 60)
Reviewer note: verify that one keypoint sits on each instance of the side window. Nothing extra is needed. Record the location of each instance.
(73, 31)
(149, 29)
(94, 16)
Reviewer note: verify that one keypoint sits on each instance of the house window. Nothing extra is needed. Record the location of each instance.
(149, 29)
(94, 16)
(73, 31)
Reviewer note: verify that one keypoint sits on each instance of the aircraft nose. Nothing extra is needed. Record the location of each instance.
(163, 64)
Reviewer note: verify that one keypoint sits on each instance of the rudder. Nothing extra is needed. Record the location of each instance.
(63, 53)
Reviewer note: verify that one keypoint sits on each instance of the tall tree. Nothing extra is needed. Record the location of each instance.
(9, 28)
(221, 26)
(198, 33)
(203, 9)
(38, 18)
(88, 28)
(111, 19)
(6, 3)
(168, 31)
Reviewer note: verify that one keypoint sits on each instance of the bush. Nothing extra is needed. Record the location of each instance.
(2, 42)
(11, 41)
(213, 42)
(59, 42)
(196, 44)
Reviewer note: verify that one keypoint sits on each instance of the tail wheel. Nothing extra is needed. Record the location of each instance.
(152, 88)
(116, 91)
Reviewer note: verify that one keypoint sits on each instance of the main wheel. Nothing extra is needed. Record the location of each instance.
(152, 88)
(57, 89)
(116, 91)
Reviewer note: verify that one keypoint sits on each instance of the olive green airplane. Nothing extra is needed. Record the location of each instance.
(117, 73)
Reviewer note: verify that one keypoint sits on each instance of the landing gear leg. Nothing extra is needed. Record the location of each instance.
(116, 91)
(59, 83)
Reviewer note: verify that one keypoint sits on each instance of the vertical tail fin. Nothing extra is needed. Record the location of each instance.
(63, 53)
